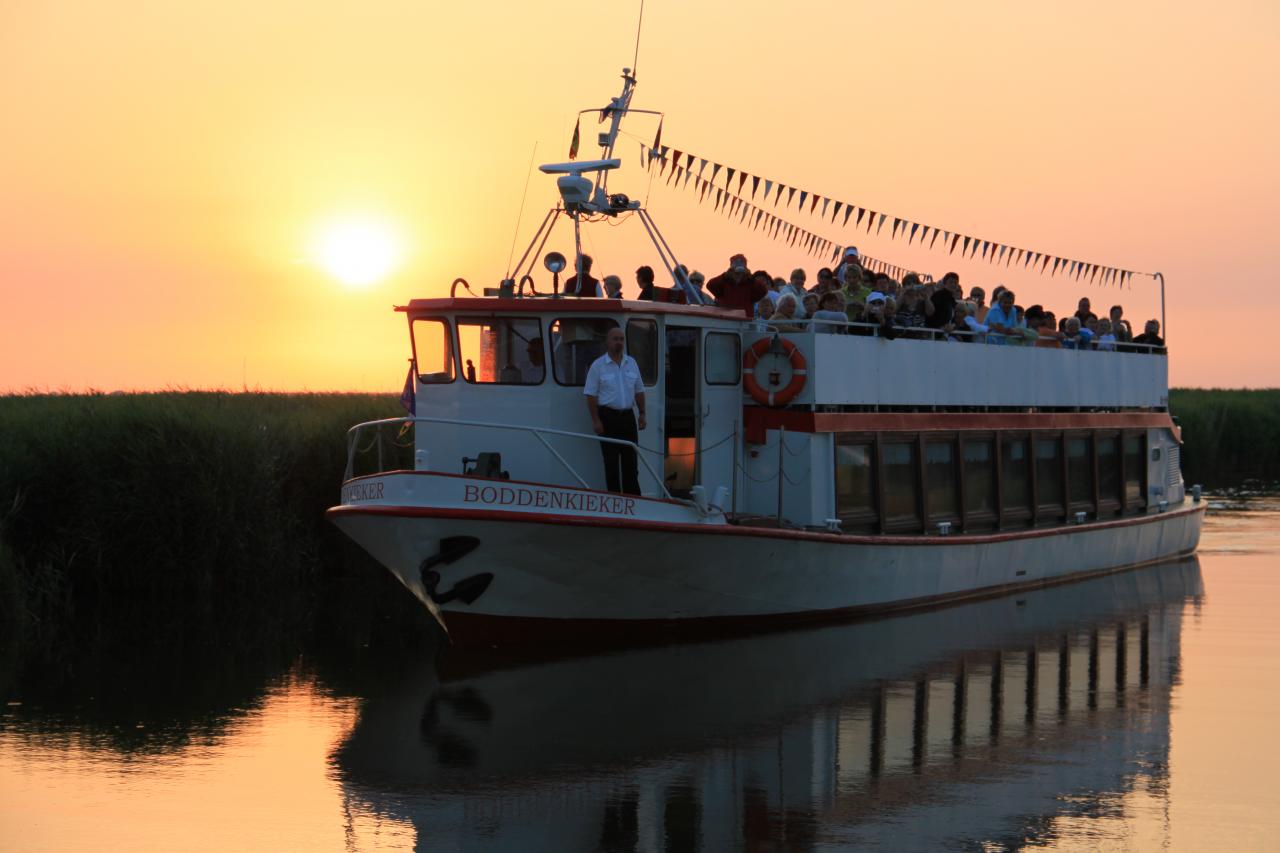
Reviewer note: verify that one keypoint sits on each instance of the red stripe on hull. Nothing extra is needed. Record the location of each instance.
(741, 530)
(475, 629)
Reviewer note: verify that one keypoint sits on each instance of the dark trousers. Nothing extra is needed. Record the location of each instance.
(621, 425)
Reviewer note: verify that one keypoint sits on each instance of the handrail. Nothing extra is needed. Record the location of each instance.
(537, 431)
(934, 334)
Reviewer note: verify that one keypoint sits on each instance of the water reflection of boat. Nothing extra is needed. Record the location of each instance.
(962, 724)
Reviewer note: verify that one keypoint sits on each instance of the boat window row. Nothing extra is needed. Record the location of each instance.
(982, 481)
(497, 350)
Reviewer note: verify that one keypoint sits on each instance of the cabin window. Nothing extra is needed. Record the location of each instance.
(1135, 472)
(901, 486)
(1049, 492)
(724, 358)
(575, 343)
(979, 476)
(1108, 473)
(1015, 478)
(642, 345)
(432, 351)
(1080, 472)
(940, 481)
(501, 350)
(855, 484)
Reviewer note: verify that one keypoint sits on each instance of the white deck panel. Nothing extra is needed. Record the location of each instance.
(856, 370)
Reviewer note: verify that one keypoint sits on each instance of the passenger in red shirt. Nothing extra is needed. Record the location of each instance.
(736, 288)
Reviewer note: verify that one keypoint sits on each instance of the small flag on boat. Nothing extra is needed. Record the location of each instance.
(657, 139)
(573, 143)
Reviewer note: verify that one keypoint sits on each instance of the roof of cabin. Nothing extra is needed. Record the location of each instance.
(588, 305)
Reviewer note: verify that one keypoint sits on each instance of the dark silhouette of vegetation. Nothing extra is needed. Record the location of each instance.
(1232, 437)
(197, 513)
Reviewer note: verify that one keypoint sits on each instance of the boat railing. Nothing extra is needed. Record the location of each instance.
(398, 453)
(852, 327)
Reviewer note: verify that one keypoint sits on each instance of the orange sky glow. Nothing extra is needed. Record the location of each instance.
(167, 166)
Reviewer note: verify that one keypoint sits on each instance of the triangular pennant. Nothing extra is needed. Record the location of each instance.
(702, 165)
(871, 218)
(803, 196)
(657, 139)
(826, 202)
(1093, 272)
(675, 157)
(966, 247)
(778, 195)
(893, 234)
(577, 136)
(688, 162)
(759, 213)
(1044, 264)
(768, 187)
(755, 185)
(880, 225)
(835, 211)
(835, 253)
(934, 240)
(954, 240)
(728, 176)
(742, 180)
(719, 196)
(791, 194)
(857, 222)
(813, 203)
(715, 170)
(914, 227)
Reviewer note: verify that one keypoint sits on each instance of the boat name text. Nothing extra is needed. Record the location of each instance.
(549, 499)
(356, 492)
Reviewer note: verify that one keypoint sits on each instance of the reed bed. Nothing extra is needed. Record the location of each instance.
(175, 508)
(1232, 437)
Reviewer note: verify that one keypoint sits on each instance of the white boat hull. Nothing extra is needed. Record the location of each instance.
(589, 568)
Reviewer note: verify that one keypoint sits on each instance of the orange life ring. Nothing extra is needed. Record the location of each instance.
(799, 372)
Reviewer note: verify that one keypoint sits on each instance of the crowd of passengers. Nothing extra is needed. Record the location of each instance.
(853, 300)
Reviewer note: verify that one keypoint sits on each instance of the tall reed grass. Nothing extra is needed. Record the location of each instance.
(174, 508)
(1232, 437)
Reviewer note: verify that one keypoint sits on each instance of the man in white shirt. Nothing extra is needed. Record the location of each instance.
(613, 389)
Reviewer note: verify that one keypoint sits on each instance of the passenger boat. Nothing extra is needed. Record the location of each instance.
(785, 476)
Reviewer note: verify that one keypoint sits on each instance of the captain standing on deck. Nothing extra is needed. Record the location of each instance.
(613, 390)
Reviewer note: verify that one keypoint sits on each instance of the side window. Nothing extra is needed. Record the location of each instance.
(1049, 479)
(501, 350)
(940, 481)
(432, 351)
(856, 484)
(575, 343)
(901, 486)
(978, 461)
(724, 358)
(1015, 478)
(642, 345)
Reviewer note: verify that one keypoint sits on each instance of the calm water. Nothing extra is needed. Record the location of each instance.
(1131, 712)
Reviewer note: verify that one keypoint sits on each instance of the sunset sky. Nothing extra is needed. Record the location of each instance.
(170, 170)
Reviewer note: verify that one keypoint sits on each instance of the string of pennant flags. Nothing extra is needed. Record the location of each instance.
(732, 205)
(730, 186)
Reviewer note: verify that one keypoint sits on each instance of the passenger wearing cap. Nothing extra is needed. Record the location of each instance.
(735, 288)
(850, 258)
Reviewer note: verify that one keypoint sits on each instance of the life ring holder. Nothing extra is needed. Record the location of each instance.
(799, 371)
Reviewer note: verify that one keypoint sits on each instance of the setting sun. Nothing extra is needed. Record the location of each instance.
(357, 251)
